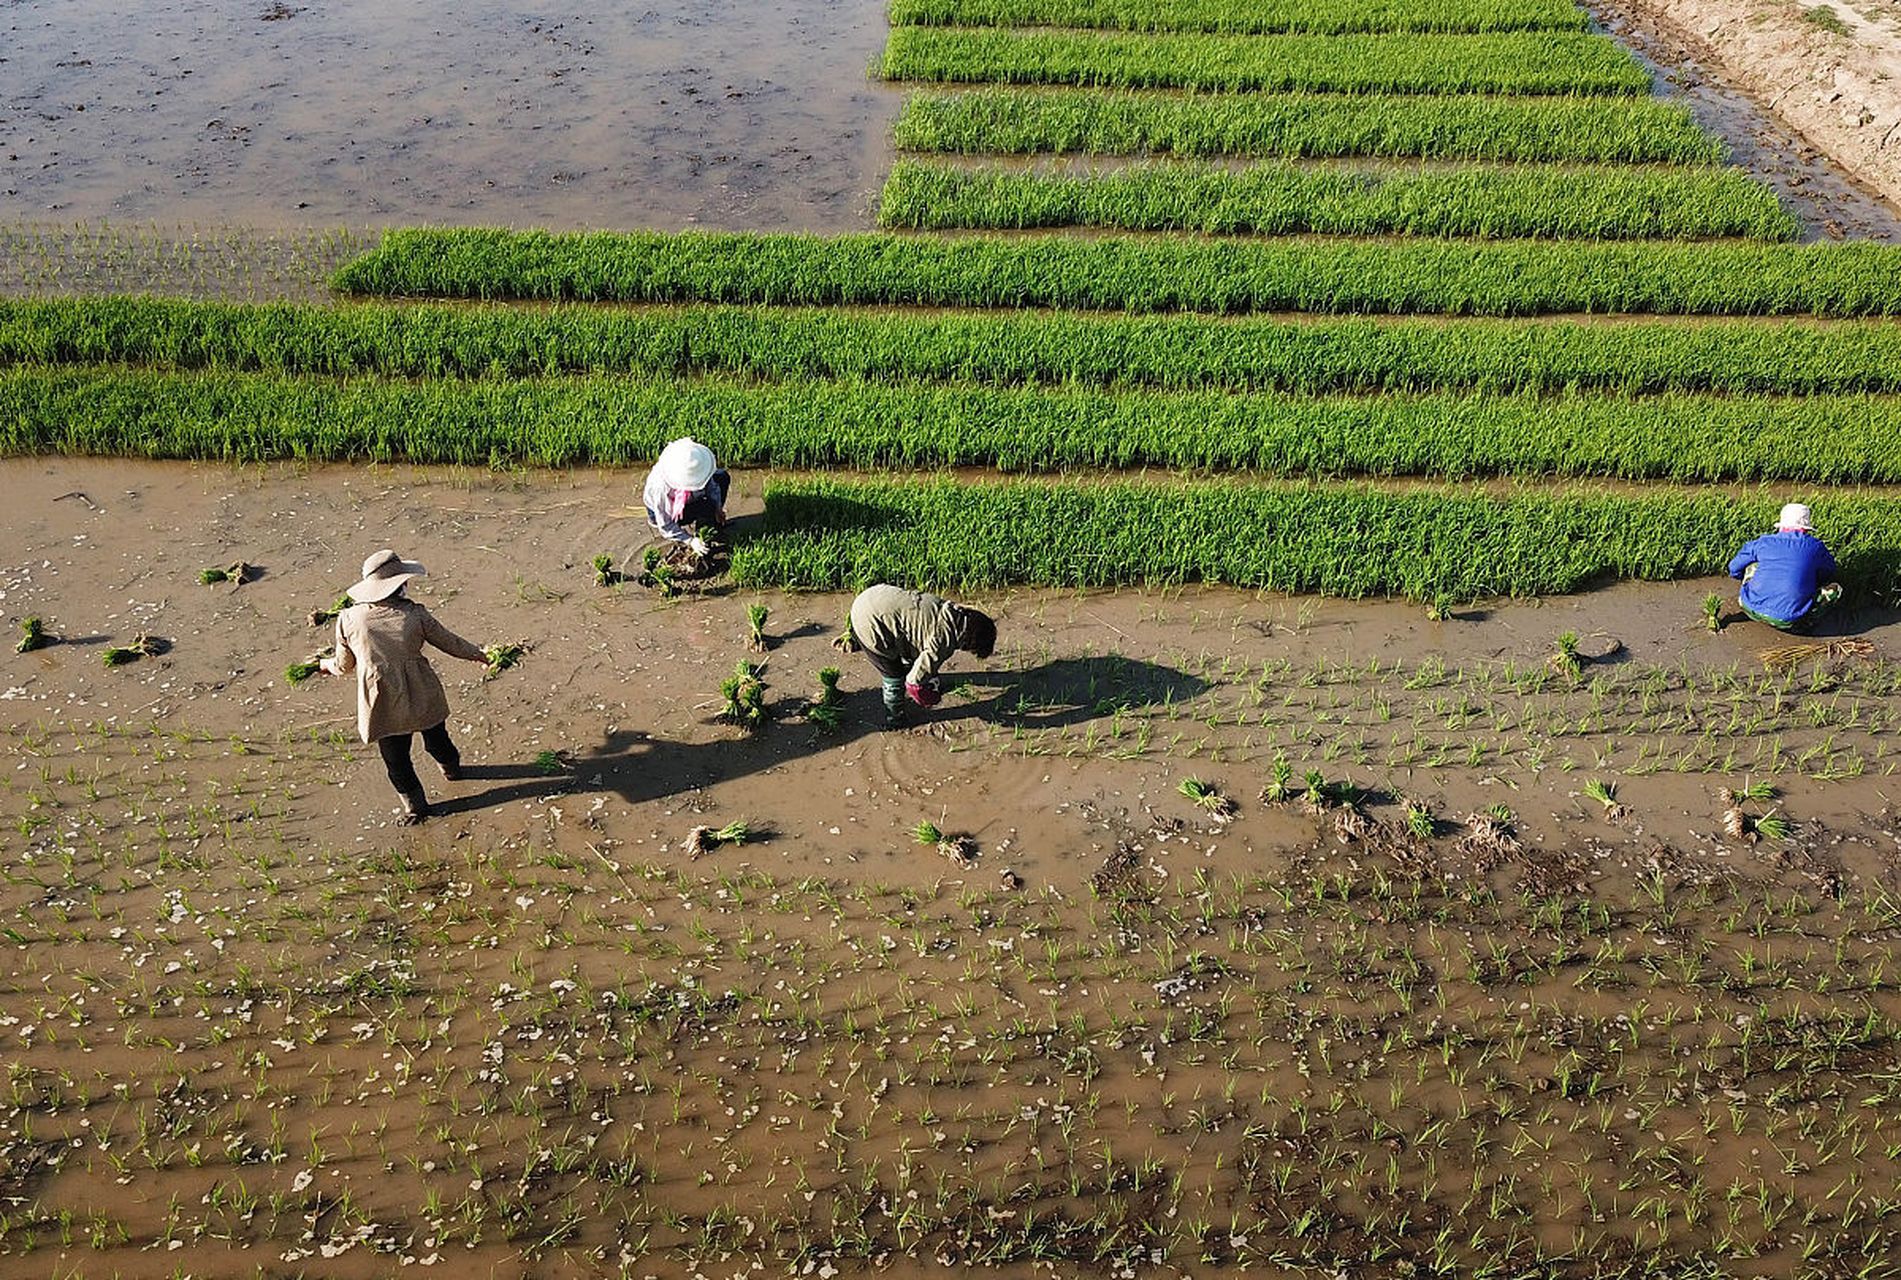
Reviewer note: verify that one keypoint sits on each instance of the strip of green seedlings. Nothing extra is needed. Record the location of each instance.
(1344, 540)
(1135, 274)
(1180, 352)
(1333, 17)
(1494, 203)
(1305, 125)
(1535, 62)
(618, 422)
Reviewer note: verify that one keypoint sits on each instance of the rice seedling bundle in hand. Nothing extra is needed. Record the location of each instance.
(503, 656)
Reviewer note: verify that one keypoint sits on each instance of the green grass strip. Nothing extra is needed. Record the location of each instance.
(1344, 540)
(1136, 274)
(1247, 17)
(1019, 121)
(109, 411)
(1535, 202)
(1539, 62)
(1174, 352)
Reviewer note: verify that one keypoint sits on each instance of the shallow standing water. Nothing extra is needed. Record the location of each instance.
(273, 114)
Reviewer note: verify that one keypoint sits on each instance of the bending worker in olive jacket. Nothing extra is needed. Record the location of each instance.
(380, 638)
(910, 635)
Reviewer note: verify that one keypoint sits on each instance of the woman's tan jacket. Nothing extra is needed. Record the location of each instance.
(397, 691)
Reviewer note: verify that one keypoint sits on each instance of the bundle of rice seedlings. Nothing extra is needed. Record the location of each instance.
(32, 636)
(503, 656)
(237, 574)
(1209, 798)
(961, 849)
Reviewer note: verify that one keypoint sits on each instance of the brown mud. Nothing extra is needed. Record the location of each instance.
(252, 1024)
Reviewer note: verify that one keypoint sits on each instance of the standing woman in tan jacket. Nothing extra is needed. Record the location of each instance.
(380, 637)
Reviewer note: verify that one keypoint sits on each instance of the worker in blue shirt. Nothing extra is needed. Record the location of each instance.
(1786, 573)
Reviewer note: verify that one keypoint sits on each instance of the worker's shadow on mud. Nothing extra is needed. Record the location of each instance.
(637, 767)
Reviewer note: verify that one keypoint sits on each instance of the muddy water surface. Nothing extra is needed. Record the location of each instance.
(679, 113)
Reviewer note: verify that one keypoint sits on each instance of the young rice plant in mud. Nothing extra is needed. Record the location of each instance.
(961, 849)
(825, 712)
(32, 635)
(1209, 799)
(756, 615)
(1279, 788)
(1605, 793)
(322, 617)
(1713, 611)
(744, 693)
(1419, 820)
(605, 574)
(703, 840)
(659, 573)
(1566, 661)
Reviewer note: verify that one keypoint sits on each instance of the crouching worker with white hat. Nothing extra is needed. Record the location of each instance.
(909, 636)
(1785, 574)
(398, 694)
(686, 489)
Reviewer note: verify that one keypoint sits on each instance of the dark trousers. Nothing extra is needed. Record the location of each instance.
(402, 771)
(705, 506)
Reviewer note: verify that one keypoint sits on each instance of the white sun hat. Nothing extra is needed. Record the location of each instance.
(1794, 516)
(686, 464)
(383, 576)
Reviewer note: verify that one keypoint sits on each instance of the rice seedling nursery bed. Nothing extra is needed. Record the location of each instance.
(1541, 931)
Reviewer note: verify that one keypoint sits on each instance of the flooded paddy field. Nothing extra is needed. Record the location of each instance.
(1425, 1005)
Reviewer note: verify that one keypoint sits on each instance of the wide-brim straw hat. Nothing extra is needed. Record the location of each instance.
(383, 576)
(686, 464)
(1795, 516)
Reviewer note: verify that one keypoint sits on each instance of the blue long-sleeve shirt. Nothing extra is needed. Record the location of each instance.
(1790, 567)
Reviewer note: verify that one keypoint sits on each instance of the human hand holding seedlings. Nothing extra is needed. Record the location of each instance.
(924, 694)
(697, 545)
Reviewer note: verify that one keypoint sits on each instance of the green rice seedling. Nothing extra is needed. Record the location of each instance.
(1579, 130)
(1317, 794)
(659, 574)
(1419, 820)
(1605, 793)
(756, 615)
(1566, 661)
(1505, 202)
(32, 635)
(477, 350)
(1500, 813)
(1279, 788)
(828, 686)
(961, 849)
(237, 574)
(1330, 17)
(825, 716)
(1147, 274)
(605, 574)
(142, 646)
(846, 641)
(1713, 611)
(550, 762)
(1756, 790)
(503, 656)
(745, 697)
(298, 672)
(321, 617)
(1513, 62)
(703, 840)
(828, 424)
(1208, 798)
(1773, 826)
(1439, 608)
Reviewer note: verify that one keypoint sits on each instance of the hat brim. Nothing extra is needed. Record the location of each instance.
(370, 590)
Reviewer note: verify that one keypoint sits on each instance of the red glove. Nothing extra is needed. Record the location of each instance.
(923, 694)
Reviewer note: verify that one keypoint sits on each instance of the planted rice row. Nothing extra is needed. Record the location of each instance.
(1179, 352)
(1519, 202)
(616, 421)
(1333, 17)
(1344, 540)
(1537, 62)
(1137, 274)
(1016, 121)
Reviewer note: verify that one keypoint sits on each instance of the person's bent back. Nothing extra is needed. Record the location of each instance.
(1785, 574)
